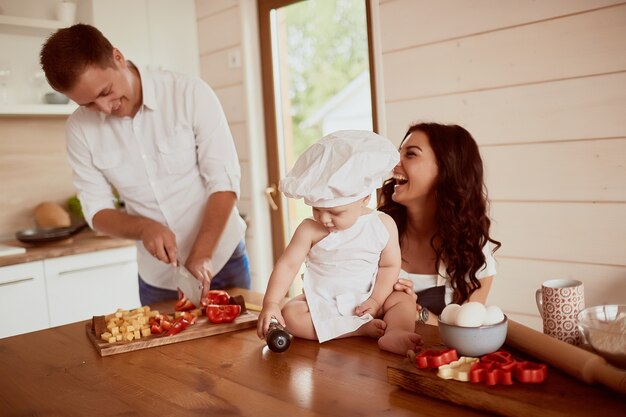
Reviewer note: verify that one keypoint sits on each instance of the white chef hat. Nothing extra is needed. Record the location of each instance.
(341, 168)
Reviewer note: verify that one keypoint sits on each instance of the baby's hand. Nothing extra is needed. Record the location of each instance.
(269, 311)
(370, 306)
(405, 285)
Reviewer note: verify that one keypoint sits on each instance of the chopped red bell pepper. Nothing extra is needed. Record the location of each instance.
(222, 313)
(179, 325)
(184, 304)
(218, 297)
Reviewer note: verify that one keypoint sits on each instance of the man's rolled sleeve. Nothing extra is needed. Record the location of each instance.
(93, 190)
(217, 155)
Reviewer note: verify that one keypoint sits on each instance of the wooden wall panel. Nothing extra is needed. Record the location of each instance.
(215, 71)
(240, 136)
(33, 168)
(589, 170)
(582, 108)
(517, 279)
(408, 23)
(206, 8)
(593, 43)
(575, 232)
(232, 99)
(219, 31)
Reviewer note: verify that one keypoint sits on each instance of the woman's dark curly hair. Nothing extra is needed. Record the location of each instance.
(461, 218)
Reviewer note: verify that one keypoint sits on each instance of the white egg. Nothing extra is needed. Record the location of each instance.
(471, 314)
(450, 314)
(493, 315)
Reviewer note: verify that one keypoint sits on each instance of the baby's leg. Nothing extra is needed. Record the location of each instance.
(373, 328)
(399, 314)
(298, 318)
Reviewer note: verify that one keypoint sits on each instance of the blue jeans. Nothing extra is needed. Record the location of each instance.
(236, 273)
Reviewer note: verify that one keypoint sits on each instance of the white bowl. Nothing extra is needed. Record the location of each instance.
(599, 328)
(474, 341)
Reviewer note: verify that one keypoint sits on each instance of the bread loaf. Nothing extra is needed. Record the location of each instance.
(50, 214)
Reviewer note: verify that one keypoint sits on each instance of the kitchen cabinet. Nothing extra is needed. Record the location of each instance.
(24, 303)
(19, 95)
(151, 33)
(92, 284)
(57, 291)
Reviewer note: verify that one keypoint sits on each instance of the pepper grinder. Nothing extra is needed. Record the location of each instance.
(277, 339)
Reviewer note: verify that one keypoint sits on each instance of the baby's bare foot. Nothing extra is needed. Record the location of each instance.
(399, 341)
(373, 328)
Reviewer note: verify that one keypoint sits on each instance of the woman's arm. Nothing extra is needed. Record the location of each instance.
(481, 294)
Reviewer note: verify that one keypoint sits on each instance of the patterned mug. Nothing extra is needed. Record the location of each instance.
(559, 301)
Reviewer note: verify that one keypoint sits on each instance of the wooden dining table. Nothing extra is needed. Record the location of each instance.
(58, 372)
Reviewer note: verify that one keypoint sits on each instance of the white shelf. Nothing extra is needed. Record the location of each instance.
(37, 109)
(20, 24)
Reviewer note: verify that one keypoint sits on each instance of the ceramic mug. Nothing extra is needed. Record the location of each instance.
(559, 301)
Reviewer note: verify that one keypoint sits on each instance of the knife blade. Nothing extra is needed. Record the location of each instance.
(188, 284)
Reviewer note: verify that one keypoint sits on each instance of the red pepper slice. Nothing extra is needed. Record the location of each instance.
(179, 325)
(222, 313)
(218, 297)
(183, 303)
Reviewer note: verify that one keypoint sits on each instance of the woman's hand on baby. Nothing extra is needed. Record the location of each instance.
(369, 306)
(405, 285)
(270, 311)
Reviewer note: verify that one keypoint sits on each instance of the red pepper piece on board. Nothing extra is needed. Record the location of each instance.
(222, 313)
(435, 358)
(530, 372)
(179, 325)
(218, 297)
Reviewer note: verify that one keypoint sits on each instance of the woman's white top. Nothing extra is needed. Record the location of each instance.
(340, 275)
(424, 281)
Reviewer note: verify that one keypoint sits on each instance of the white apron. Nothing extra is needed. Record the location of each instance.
(340, 274)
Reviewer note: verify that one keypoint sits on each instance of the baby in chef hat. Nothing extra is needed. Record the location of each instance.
(351, 252)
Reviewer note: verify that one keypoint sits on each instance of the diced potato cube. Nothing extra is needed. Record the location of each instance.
(130, 328)
(129, 336)
(105, 336)
(115, 330)
(145, 331)
(137, 334)
(118, 337)
(112, 339)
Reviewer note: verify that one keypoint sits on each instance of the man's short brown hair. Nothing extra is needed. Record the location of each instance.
(68, 52)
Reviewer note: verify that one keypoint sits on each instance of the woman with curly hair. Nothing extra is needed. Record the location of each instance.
(438, 200)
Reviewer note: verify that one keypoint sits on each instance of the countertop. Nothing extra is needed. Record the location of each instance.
(58, 372)
(83, 242)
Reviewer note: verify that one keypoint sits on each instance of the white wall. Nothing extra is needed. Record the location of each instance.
(542, 88)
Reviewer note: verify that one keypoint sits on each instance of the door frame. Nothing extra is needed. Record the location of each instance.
(277, 227)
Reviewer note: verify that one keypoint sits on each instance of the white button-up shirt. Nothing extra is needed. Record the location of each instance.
(164, 162)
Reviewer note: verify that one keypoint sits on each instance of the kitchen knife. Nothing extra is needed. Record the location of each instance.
(188, 284)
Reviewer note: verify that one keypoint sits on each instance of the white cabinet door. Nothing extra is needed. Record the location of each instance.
(23, 305)
(96, 283)
(150, 33)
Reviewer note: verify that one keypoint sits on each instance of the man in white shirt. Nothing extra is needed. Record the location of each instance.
(162, 141)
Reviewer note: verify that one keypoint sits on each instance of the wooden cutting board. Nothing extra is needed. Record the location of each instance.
(201, 328)
(559, 395)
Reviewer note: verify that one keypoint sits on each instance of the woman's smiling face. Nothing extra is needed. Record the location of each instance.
(416, 173)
